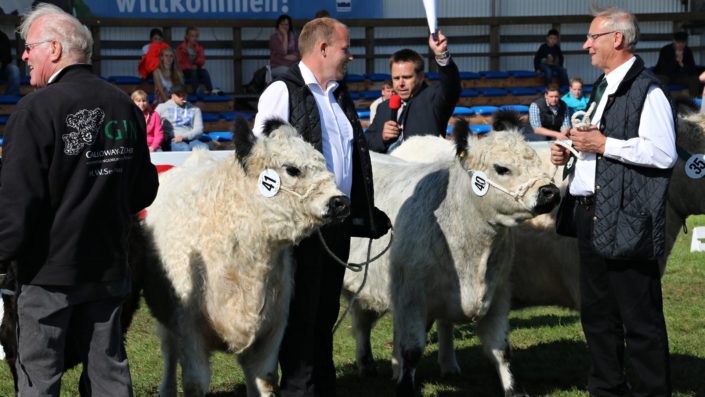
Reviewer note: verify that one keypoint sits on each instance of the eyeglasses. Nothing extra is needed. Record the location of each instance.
(28, 46)
(595, 36)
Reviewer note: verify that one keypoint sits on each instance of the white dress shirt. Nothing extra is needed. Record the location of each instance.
(336, 130)
(654, 147)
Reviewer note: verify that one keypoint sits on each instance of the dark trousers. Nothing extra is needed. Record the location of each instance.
(198, 77)
(621, 307)
(86, 319)
(306, 353)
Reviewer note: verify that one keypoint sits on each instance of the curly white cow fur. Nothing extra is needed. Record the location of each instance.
(449, 260)
(546, 265)
(221, 276)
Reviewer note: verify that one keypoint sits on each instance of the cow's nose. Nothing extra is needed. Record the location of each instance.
(339, 207)
(549, 197)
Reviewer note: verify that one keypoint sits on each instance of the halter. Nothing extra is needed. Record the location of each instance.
(518, 193)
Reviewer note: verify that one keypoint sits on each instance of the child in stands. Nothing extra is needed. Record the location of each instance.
(151, 118)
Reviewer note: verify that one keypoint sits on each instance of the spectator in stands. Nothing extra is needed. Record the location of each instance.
(191, 60)
(8, 69)
(548, 59)
(549, 115)
(151, 119)
(574, 98)
(387, 90)
(166, 76)
(676, 64)
(181, 121)
(283, 47)
(151, 51)
(425, 108)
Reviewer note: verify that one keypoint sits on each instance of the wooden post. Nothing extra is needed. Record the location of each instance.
(369, 49)
(237, 59)
(494, 47)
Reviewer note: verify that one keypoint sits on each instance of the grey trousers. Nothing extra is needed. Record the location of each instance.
(84, 318)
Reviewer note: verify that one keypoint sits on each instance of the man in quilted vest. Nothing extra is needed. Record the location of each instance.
(615, 206)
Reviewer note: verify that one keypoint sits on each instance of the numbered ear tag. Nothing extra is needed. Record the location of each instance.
(695, 166)
(569, 166)
(480, 184)
(269, 183)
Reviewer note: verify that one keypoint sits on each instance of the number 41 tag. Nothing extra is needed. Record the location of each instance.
(480, 185)
(268, 183)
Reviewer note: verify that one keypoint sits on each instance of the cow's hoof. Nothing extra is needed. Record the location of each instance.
(406, 387)
(366, 367)
(450, 371)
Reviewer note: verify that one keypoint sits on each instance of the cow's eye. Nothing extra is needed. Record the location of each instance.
(292, 171)
(501, 170)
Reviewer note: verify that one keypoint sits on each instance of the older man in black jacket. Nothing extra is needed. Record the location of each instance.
(425, 109)
(76, 168)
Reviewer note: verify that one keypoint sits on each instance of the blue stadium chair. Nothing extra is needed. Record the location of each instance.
(210, 117)
(449, 129)
(204, 138)
(523, 91)
(9, 99)
(479, 129)
(469, 93)
(483, 110)
(221, 136)
(517, 108)
(231, 116)
(469, 76)
(493, 74)
(125, 79)
(378, 76)
(587, 89)
(523, 73)
(24, 80)
(3, 119)
(432, 75)
(214, 98)
(350, 77)
(493, 91)
(356, 95)
(363, 114)
(371, 94)
(462, 111)
(698, 101)
(2, 140)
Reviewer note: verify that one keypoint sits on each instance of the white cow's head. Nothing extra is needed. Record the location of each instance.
(296, 193)
(519, 188)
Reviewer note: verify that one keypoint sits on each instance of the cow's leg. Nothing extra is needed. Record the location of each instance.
(409, 336)
(194, 360)
(169, 357)
(362, 323)
(493, 330)
(259, 364)
(446, 350)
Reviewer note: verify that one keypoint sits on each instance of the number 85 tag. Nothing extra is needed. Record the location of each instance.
(268, 183)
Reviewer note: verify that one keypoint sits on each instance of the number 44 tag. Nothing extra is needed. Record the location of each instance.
(268, 183)
(480, 185)
(695, 166)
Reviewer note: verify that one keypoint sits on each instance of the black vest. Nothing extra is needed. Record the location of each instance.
(630, 200)
(303, 115)
(548, 119)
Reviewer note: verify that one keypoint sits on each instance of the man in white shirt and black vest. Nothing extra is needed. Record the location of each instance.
(616, 206)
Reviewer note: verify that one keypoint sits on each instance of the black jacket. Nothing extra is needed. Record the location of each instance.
(76, 168)
(548, 119)
(365, 220)
(427, 111)
(543, 51)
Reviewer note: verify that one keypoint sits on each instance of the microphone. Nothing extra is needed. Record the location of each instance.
(394, 105)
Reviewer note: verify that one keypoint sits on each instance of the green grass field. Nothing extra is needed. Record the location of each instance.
(549, 352)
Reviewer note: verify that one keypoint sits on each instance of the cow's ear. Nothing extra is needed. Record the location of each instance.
(272, 124)
(244, 139)
(505, 120)
(461, 129)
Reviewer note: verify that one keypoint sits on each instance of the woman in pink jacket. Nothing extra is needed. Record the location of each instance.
(155, 134)
(283, 47)
(191, 60)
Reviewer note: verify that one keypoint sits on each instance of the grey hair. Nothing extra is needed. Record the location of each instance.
(75, 38)
(622, 21)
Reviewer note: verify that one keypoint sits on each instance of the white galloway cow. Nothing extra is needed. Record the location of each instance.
(546, 265)
(449, 260)
(221, 271)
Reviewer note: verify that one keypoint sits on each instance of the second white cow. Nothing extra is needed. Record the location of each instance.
(449, 260)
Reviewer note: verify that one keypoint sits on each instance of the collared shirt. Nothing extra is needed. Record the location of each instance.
(535, 116)
(654, 147)
(336, 130)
